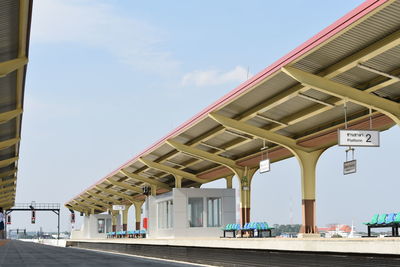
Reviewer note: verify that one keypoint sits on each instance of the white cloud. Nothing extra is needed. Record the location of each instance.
(215, 77)
(98, 24)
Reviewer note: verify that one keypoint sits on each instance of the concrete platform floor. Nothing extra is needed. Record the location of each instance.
(19, 253)
(389, 246)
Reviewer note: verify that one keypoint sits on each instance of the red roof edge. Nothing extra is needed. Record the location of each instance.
(351, 17)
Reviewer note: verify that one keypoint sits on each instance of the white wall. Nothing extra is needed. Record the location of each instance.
(89, 227)
(180, 206)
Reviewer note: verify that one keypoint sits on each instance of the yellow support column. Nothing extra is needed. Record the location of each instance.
(245, 194)
(178, 181)
(154, 190)
(308, 164)
(229, 181)
(114, 214)
(138, 213)
(125, 218)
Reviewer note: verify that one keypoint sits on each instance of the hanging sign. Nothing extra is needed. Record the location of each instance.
(366, 138)
(265, 166)
(118, 207)
(349, 167)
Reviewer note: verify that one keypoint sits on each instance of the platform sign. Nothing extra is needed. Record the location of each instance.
(265, 166)
(349, 167)
(366, 138)
(118, 207)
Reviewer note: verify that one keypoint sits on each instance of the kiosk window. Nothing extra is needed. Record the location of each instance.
(214, 212)
(165, 214)
(101, 226)
(195, 212)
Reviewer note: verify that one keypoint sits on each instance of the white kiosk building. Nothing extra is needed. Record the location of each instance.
(191, 212)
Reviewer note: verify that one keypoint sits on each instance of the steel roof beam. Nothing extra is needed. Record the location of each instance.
(125, 186)
(92, 200)
(6, 162)
(90, 206)
(102, 198)
(6, 204)
(241, 135)
(258, 132)
(378, 72)
(173, 171)
(7, 173)
(363, 55)
(349, 62)
(7, 188)
(74, 207)
(313, 99)
(8, 194)
(8, 115)
(270, 120)
(7, 197)
(9, 142)
(387, 107)
(116, 193)
(9, 181)
(146, 180)
(207, 156)
(317, 109)
(211, 146)
(9, 66)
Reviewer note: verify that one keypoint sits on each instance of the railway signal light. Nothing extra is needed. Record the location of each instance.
(33, 219)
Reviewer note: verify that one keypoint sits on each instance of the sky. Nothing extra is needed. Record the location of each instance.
(106, 79)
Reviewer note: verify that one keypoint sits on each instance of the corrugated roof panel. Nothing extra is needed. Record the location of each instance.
(200, 128)
(178, 158)
(274, 85)
(386, 62)
(8, 92)
(9, 21)
(365, 33)
(393, 91)
(7, 153)
(162, 150)
(203, 165)
(221, 139)
(355, 77)
(289, 107)
(248, 148)
(7, 130)
(336, 113)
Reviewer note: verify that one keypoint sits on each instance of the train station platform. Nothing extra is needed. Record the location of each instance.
(259, 251)
(385, 245)
(19, 253)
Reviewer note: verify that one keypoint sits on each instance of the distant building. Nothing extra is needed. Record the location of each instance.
(337, 230)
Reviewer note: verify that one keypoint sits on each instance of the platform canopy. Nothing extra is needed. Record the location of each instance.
(15, 20)
(296, 104)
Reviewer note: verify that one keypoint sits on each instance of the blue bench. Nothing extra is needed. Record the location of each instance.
(252, 227)
(137, 234)
(391, 220)
(231, 228)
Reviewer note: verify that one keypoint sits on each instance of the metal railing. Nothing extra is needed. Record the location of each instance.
(34, 205)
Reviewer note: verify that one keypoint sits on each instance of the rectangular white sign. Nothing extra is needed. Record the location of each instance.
(265, 166)
(358, 138)
(118, 207)
(349, 167)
